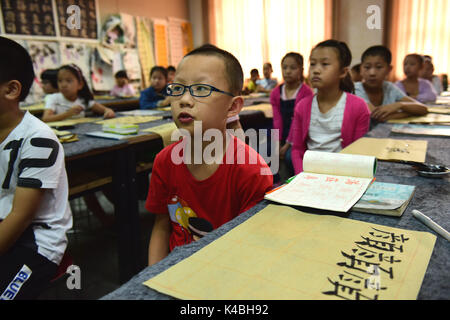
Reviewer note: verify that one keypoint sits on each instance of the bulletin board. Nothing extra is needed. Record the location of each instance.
(48, 19)
(160, 36)
(180, 39)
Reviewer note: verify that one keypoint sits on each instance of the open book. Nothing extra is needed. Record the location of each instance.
(330, 181)
(389, 199)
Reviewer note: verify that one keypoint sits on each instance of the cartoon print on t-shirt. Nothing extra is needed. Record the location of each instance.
(180, 212)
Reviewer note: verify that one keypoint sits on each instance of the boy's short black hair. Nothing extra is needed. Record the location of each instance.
(160, 69)
(233, 69)
(51, 75)
(380, 51)
(254, 71)
(16, 64)
(171, 68)
(121, 74)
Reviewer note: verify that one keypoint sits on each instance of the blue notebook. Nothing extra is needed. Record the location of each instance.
(385, 198)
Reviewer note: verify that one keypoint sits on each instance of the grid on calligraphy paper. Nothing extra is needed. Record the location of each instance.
(282, 253)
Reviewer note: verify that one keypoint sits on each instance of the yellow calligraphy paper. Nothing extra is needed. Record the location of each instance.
(71, 122)
(129, 120)
(165, 131)
(34, 108)
(429, 118)
(161, 42)
(282, 253)
(389, 149)
(145, 48)
(266, 108)
(439, 110)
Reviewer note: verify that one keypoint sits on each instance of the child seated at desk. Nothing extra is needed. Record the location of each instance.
(251, 86)
(34, 209)
(73, 99)
(283, 100)
(427, 74)
(154, 96)
(206, 91)
(267, 83)
(49, 80)
(385, 100)
(122, 88)
(420, 89)
(171, 70)
(333, 118)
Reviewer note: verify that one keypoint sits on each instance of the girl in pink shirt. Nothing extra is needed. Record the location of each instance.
(333, 118)
(122, 87)
(283, 100)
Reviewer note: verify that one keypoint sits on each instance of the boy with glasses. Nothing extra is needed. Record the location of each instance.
(205, 92)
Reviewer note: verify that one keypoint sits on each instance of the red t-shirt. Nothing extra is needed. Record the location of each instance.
(231, 190)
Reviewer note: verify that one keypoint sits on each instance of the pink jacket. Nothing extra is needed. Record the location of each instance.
(275, 97)
(354, 125)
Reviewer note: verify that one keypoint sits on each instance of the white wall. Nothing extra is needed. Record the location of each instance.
(352, 25)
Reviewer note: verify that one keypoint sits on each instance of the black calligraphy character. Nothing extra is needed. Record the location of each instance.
(347, 292)
(380, 245)
(357, 264)
(389, 235)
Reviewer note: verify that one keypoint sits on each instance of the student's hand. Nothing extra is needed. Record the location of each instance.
(382, 113)
(284, 149)
(109, 113)
(76, 110)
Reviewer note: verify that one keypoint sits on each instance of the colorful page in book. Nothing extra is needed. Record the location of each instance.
(385, 198)
(284, 254)
(330, 181)
(389, 149)
(418, 129)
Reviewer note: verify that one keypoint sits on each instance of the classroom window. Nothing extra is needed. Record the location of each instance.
(420, 26)
(258, 31)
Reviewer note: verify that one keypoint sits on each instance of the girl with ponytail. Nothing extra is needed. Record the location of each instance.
(333, 118)
(73, 98)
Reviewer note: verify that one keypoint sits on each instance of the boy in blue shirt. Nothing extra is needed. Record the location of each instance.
(385, 100)
(153, 97)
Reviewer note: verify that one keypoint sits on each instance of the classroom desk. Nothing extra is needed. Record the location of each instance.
(94, 162)
(120, 104)
(432, 197)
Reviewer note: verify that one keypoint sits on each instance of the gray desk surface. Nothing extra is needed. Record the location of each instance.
(86, 143)
(432, 197)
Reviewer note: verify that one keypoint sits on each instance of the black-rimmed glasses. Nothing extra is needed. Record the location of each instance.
(196, 90)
